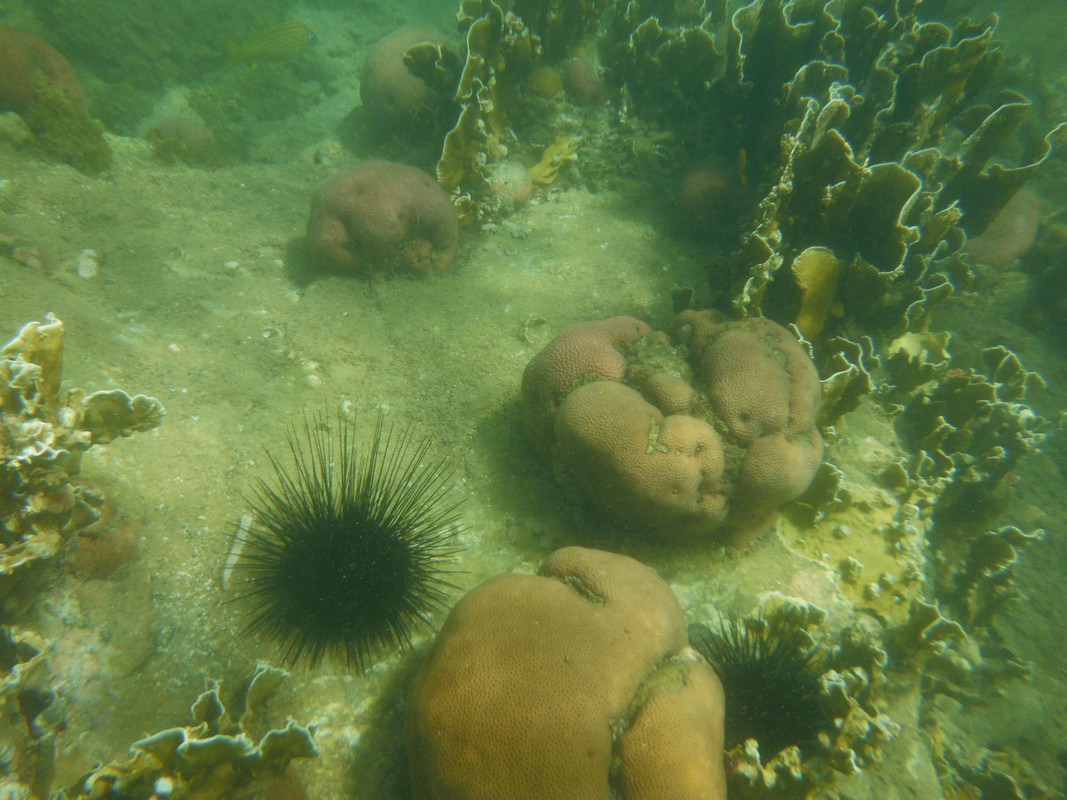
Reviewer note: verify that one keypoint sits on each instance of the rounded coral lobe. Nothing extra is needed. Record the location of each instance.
(379, 216)
(703, 435)
(577, 682)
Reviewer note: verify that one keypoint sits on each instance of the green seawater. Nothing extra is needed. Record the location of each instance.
(180, 271)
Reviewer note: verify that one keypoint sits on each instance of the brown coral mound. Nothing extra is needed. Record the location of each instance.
(186, 139)
(381, 216)
(29, 65)
(705, 437)
(589, 350)
(574, 683)
(390, 93)
(39, 84)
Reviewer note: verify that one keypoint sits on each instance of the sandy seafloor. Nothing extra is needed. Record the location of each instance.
(194, 304)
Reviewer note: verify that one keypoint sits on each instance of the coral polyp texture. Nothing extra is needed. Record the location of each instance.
(44, 429)
(575, 682)
(700, 435)
(379, 216)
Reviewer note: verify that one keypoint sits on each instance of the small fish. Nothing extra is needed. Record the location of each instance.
(277, 43)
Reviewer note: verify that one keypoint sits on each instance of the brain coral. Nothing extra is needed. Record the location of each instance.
(28, 65)
(388, 89)
(577, 682)
(381, 216)
(703, 435)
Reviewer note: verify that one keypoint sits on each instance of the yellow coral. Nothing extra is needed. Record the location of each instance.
(817, 272)
(562, 151)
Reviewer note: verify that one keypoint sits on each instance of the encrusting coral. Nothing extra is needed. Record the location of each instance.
(575, 682)
(704, 438)
(44, 429)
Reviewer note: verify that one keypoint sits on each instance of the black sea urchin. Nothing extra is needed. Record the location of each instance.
(348, 548)
(770, 674)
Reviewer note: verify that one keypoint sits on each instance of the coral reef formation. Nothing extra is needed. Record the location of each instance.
(871, 133)
(507, 68)
(575, 682)
(44, 429)
(784, 659)
(212, 758)
(31, 713)
(39, 84)
(391, 93)
(381, 216)
(705, 437)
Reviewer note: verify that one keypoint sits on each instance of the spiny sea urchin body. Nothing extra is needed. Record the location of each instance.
(350, 546)
(770, 672)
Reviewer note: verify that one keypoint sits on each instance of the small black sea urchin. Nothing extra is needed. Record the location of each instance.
(348, 548)
(770, 674)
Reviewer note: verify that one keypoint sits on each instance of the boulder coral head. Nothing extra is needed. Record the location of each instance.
(577, 682)
(27, 66)
(381, 216)
(39, 84)
(391, 94)
(701, 436)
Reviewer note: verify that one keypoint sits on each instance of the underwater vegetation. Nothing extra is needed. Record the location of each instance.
(348, 548)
